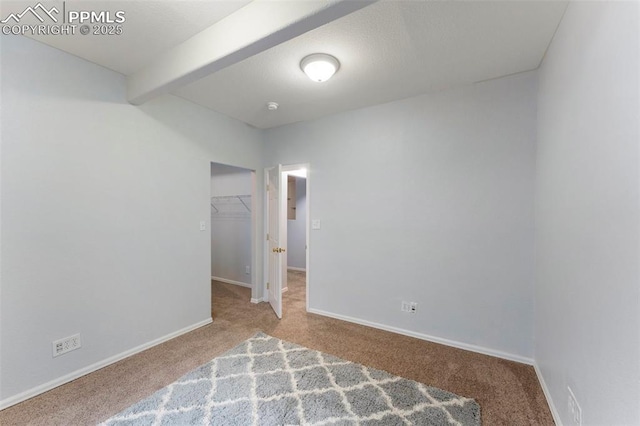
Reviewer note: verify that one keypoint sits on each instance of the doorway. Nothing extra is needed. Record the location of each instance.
(295, 232)
(287, 225)
(232, 193)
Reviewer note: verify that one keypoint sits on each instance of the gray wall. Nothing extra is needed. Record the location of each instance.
(101, 204)
(587, 329)
(297, 230)
(428, 199)
(231, 229)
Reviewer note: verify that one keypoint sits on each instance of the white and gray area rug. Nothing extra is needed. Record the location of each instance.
(267, 381)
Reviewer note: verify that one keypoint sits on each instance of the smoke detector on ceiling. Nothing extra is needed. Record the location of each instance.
(272, 106)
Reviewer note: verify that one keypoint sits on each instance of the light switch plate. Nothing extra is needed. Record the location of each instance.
(315, 224)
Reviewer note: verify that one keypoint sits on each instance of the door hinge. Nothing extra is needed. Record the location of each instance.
(267, 286)
(267, 237)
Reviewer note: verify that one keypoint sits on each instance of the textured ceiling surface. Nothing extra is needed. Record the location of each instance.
(151, 27)
(388, 50)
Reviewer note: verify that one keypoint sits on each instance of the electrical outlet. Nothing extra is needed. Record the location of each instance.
(67, 344)
(575, 412)
(247, 269)
(410, 307)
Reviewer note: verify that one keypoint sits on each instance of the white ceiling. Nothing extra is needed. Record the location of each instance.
(389, 50)
(151, 28)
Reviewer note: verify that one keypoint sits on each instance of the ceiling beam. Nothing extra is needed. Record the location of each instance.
(260, 25)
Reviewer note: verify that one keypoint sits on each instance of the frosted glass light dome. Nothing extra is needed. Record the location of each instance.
(319, 67)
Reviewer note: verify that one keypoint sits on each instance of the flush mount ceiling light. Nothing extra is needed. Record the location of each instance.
(272, 106)
(319, 66)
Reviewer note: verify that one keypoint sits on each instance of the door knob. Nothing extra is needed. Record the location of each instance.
(278, 250)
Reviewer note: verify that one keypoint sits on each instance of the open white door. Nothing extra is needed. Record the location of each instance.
(275, 252)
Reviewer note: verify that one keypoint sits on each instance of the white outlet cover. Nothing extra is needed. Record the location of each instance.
(67, 344)
(315, 224)
(203, 225)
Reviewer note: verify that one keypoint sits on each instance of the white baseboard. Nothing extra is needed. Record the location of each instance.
(293, 268)
(285, 289)
(442, 341)
(258, 300)
(547, 395)
(225, 280)
(12, 400)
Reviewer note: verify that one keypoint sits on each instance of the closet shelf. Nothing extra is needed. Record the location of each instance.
(234, 206)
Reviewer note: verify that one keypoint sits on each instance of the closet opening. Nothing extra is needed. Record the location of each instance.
(233, 218)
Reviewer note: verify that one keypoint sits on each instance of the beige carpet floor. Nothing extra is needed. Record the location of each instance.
(508, 392)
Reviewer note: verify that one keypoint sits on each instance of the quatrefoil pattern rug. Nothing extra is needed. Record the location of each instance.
(267, 381)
